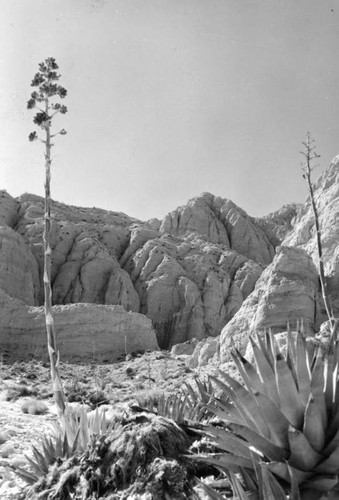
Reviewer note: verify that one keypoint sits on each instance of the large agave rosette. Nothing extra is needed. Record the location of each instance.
(280, 430)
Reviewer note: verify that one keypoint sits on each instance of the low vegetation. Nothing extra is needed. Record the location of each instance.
(274, 435)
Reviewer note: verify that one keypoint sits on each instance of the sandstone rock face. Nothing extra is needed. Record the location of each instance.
(289, 288)
(9, 209)
(84, 331)
(326, 192)
(184, 285)
(206, 267)
(19, 276)
(189, 274)
(278, 225)
(287, 291)
(221, 221)
(86, 245)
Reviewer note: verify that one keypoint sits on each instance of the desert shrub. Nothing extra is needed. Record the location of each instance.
(34, 407)
(20, 390)
(97, 398)
(85, 393)
(148, 398)
(129, 371)
(45, 391)
(76, 392)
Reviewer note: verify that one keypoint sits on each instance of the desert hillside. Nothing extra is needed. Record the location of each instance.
(122, 285)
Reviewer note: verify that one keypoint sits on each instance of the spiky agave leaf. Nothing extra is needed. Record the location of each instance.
(186, 405)
(269, 487)
(211, 494)
(287, 414)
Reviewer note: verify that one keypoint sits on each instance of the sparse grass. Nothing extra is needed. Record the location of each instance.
(135, 380)
(20, 390)
(148, 398)
(144, 381)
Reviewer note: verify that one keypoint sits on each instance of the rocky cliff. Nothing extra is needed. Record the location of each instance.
(286, 292)
(326, 192)
(84, 331)
(289, 288)
(188, 274)
(206, 267)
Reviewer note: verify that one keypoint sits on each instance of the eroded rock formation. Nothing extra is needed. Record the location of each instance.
(189, 273)
(84, 331)
(286, 292)
(326, 192)
(289, 289)
(206, 267)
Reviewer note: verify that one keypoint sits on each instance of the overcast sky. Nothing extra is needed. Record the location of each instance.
(171, 98)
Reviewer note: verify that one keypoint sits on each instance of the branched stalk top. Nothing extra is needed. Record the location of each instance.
(47, 88)
(310, 154)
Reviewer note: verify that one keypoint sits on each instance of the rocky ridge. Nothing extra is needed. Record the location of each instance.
(188, 274)
(206, 267)
(289, 288)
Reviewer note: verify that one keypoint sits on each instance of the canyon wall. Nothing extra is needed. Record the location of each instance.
(207, 267)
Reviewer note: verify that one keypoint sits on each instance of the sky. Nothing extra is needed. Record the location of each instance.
(171, 98)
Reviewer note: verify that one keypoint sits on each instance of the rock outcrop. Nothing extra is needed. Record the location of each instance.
(206, 267)
(303, 235)
(189, 273)
(188, 286)
(286, 292)
(84, 331)
(221, 221)
(205, 350)
(279, 224)
(18, 267)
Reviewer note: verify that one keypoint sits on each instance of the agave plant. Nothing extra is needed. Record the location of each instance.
(185, 406)
(280, 430)
(71, 436)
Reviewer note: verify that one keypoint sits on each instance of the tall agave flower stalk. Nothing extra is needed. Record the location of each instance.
(278, 434)
(311, 156)
(47, 88)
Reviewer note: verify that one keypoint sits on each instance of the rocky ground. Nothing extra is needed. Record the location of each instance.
(140, 379)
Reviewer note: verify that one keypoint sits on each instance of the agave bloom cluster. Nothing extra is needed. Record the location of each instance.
(280, 429)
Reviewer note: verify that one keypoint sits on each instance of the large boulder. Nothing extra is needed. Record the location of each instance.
(204, 351)
(286, 292)
(83, 331)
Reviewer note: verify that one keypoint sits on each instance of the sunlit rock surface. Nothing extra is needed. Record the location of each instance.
(188, 274)
(326, 192)
(286, 292)
(83, 331)
(207, 267)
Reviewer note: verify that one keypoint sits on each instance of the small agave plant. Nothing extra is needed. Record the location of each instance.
(71, 436)
(279, 432)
